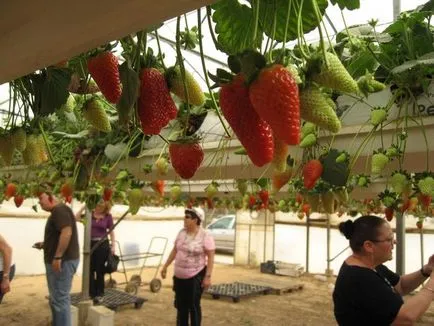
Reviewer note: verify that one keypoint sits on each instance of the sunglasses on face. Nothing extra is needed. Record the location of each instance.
(189, 217)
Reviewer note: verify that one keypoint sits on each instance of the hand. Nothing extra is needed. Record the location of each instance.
(206, 283)
(5, 286)
(163, 272)
(38, 245)
(57, 265)
(429, 267)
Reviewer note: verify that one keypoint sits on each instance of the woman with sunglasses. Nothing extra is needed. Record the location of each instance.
(366, 291)
(193, 254)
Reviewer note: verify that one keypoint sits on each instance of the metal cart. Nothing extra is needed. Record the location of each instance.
(132, 285)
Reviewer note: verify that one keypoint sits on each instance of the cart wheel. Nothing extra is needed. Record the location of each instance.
(155, 285)
(131, 288)
(136, 279)
(110, 284)
(138, 305)
(215, 296)
(236, 299)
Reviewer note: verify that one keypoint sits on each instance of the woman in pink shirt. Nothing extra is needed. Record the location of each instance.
(193, 253)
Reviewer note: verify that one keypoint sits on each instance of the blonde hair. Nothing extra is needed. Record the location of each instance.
(105, 205)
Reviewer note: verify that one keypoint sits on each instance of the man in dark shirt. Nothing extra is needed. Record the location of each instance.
(61, 256)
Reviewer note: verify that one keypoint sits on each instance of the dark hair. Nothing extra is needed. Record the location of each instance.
(362, 229)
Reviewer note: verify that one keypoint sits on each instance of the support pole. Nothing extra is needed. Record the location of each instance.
(329, 272)
(307, 241)
(396, 9)
(422, 261)
(400, 243)
(86, 255)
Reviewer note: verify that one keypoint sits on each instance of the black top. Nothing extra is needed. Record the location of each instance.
(61, 216)
(363, 296)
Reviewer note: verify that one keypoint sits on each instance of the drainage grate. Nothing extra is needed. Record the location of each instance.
(113, 299)
(236, 290)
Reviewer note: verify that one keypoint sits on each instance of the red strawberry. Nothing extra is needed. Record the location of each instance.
(66, 190)
(252, 201)
(305, 208)
(18, 200)
(107, 194)
(186, 157)
(210, 203)
(280, 179)
(311, 173)
(274, 95)
(105, 71)
(299, 198)
(158, 187)
(265, 197)
(425, 200)
(10, 191)
(68, 199)
(389, 213)
(156, 106)
(252, 131)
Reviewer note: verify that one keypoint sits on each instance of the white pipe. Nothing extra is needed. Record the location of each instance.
(396, 9)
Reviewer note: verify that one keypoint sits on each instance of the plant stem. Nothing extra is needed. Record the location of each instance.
(160, 54)
(213, 101)
(256, 12)
(288, 12)
(180, 61)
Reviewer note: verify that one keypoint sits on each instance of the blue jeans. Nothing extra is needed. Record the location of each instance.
(59, 287)
(11, 276)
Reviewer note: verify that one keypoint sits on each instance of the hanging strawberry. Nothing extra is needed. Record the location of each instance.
(95, 114)
(264, 196)
(175, 192)
(379, 161)
(252, 131)
(311, 173)
(315, 108)
(162, 165)
(176, 86)
(212, 189)
(104, 70)
(107, 194)
(156, 107)
(274, 95)
(135, 199)
(158, 187)
(18, 200)
(10, 191)
(186, 156)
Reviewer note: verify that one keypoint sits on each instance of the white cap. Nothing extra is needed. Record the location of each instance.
(197, 212)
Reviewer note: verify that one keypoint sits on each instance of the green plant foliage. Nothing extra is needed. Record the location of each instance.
(348, 4)
(235, 27)
(54, 91)
(309, 19)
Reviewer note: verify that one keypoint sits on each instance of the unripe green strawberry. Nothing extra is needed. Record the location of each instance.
(426, 186)
(341, 158)
(176, 86)
(362, 181)
(378, 162)
(294, 73)
(392, 151)
(308, 128)
(378, 115)
(399, 182)
(334, 75)
(328, 202)
(314, 108)
(175, 192)
(18, 139)
(70, 104)
(308, 141)
(388, 201)
(32, 155)
(41, 148)
(242, 186)
(94, 113)
(6, 149)
(135, 199)
(367, 84)
(162, 166)
(211, 190)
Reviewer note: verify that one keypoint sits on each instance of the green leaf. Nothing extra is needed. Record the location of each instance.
(361, 62)
(309, 20)
(427, 60)
(235, 27)
(54, 90)
(334, 173)
(130, 88)
(349, 4)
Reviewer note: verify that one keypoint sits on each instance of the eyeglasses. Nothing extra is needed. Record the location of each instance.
(189, 216)
(390, 240)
